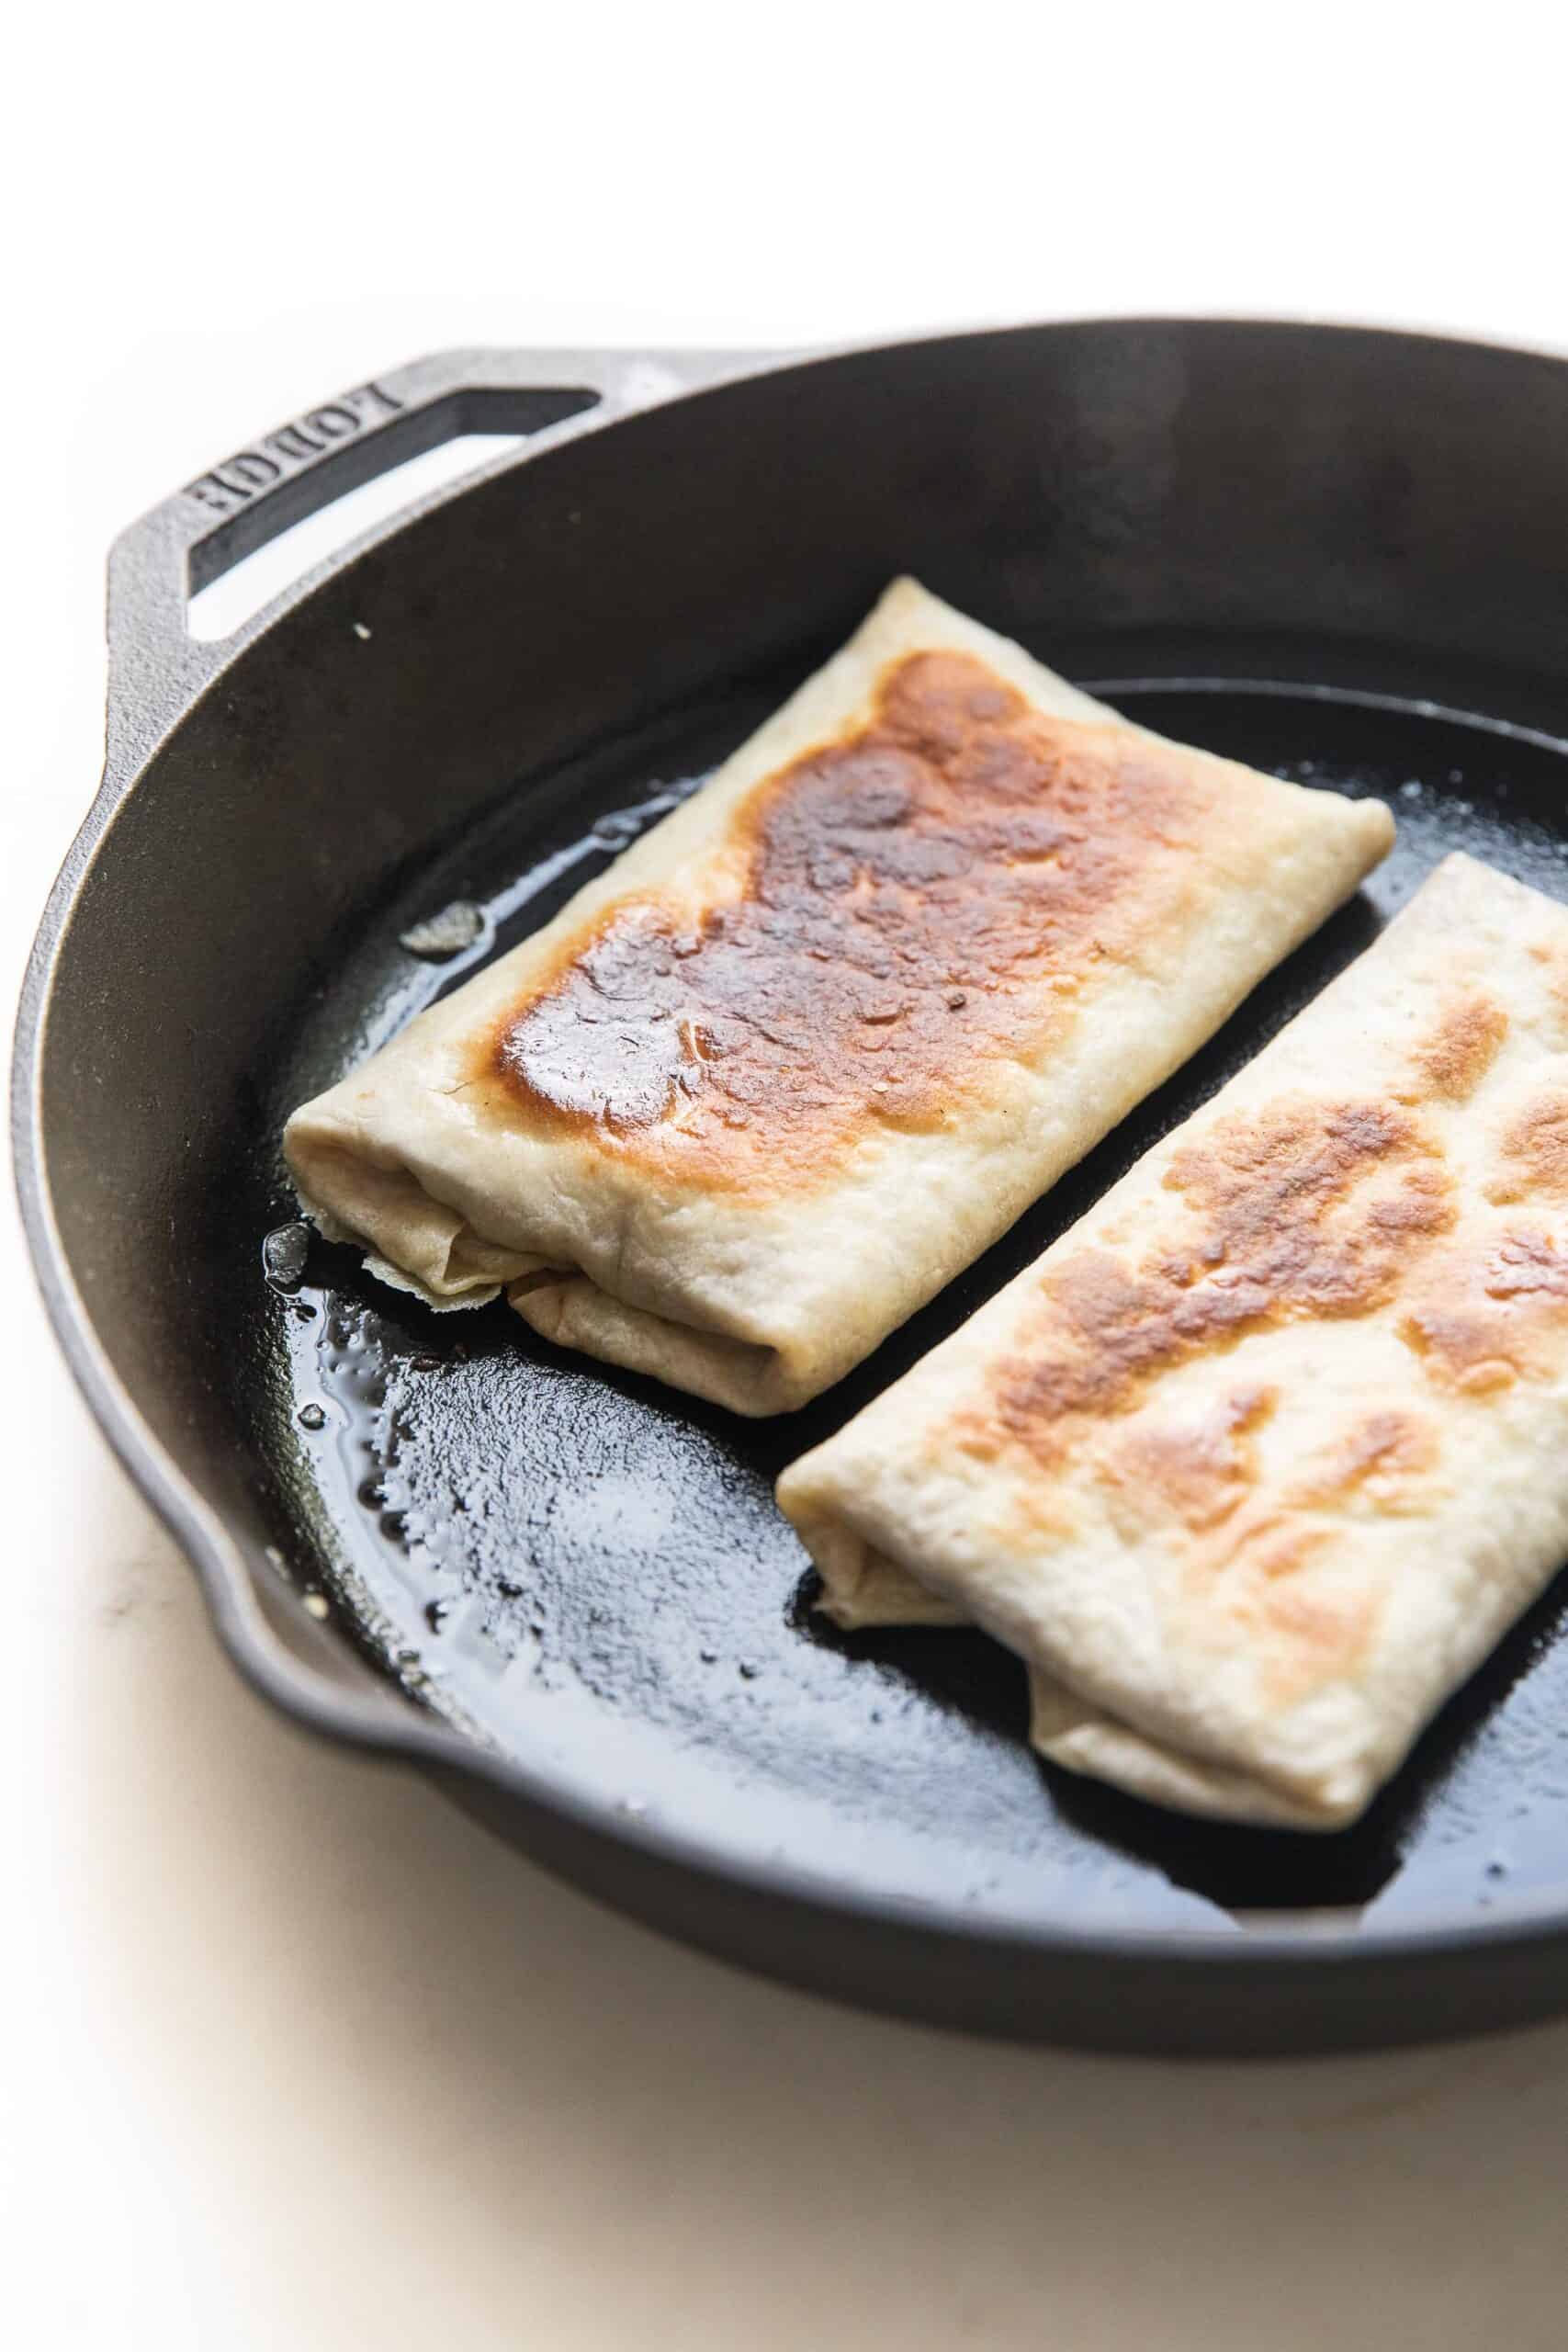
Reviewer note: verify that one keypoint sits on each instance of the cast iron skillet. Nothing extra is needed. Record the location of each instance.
(563, 1592)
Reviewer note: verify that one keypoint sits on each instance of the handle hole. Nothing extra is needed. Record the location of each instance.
(262, 549)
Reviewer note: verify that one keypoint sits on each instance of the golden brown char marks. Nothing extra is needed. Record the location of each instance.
(1493, 1311)
(1535, 1152)
(919, 902)
(1203, 1471)
(1306, 1635)
(1384, 1456)
(1460, 1050)
(1485, 1315)
(1245, 1573)
(1306, 1210)
(1199, 1471)
(1553, 962)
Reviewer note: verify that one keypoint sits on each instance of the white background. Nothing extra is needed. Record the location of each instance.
(290, 2055)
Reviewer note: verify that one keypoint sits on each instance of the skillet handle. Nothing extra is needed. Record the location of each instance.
(156, 669)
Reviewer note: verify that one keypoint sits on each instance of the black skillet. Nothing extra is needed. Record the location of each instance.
(566, 1593)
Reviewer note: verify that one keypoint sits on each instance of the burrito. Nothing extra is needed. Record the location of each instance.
(817, 1039)
(1259, 1461)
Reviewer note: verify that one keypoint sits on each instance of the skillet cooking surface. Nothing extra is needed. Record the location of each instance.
(588, 1570)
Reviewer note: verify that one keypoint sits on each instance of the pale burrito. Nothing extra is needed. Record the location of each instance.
(1259, 1461)
(820, 1035)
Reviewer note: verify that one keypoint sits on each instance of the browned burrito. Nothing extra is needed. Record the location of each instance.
(819, 1036)
(1259, 1460)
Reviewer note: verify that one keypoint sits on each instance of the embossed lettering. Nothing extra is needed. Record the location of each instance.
(293, 442)
(210, 492)
(334, 421)
(254, 472)
(251, 473)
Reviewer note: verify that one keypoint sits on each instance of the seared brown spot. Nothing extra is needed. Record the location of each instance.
(1243, 1571)
(1482, 1317)
(1250, 1580)
(1379, 1457)
(1526, 1266)
(1554, 971)
(1309, 1210)
(1535, 1153)
(917, 904)
(1460, 1050)
(1313, 1636)
(1280, 1547)
(1198, 1470)
(1463, 1347)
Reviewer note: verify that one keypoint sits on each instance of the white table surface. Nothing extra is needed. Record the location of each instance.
(292, 2054)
